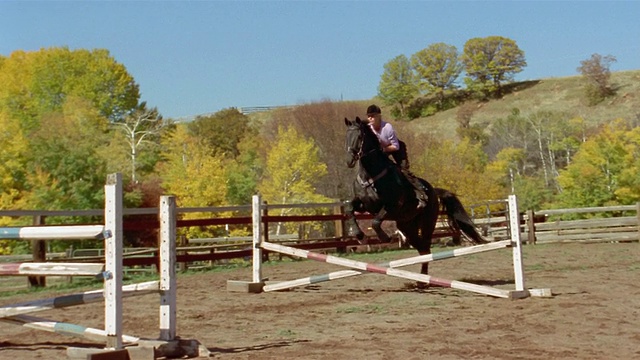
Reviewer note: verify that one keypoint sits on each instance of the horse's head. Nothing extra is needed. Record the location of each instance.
(354, 140)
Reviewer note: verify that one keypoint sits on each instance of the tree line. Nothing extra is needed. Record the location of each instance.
(70, 117)
(429, 80)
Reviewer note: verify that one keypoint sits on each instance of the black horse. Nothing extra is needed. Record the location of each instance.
(381, 189)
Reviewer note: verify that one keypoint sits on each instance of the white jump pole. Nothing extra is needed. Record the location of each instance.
(67, 232)
(64, 328)
(64, 301)
(392, 264)
(359, 265)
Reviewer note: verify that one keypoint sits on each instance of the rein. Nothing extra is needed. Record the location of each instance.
(361, 155)
(371, 181)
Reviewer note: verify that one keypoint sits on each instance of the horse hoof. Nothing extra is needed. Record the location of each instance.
(419, 286)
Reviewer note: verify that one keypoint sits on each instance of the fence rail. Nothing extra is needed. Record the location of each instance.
(610, 226)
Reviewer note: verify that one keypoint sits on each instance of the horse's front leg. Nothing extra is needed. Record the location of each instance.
(376, 224)
(424, 249)
(350, 221)
(424, 269)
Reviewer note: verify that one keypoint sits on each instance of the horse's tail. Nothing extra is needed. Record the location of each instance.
(457, 217)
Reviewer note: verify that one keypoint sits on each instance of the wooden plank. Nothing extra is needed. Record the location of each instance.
(608, 236)
(589, 240)
(587, 232)
(586, 210)
(587, 223)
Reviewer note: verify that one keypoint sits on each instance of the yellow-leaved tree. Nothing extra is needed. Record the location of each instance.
(11, 172)
(12, 163)
(293, 169)
(460, 168)
(194, 175)
(629, 182)
(604, 170)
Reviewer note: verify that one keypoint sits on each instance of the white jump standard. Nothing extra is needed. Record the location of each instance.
(168, 345)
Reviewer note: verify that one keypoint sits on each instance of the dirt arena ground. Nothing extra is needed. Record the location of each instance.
(594, 314)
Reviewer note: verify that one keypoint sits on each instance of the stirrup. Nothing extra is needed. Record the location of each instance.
(421, 203)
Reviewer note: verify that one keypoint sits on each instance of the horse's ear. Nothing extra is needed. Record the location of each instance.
(347, 122)
(358, 119)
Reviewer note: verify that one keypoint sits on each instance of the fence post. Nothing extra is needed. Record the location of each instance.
(531, 227)
(39, 252)
(638, 217)
(183, 243)
(339, 224)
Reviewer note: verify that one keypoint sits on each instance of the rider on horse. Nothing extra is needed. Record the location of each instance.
(396, 148)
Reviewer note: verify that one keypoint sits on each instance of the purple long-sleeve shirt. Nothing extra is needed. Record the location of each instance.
(387, 135)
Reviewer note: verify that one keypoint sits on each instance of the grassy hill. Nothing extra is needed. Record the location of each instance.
(564, 94)
(554, 94)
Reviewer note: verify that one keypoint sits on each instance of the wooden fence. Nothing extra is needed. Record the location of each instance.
(611, 224)
(598, 224)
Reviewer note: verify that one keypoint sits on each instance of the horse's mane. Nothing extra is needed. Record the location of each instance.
(368, 132)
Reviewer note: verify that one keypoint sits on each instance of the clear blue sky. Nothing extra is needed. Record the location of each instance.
(195, 57)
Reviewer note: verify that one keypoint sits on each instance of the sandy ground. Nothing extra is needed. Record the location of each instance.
(594, 314)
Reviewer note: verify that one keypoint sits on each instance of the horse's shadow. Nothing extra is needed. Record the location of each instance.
(489, 282)
(260, 347)
(47, 345)
(414, 288)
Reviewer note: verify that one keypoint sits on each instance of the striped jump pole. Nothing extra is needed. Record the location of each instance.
(63, 328)
(363, 266)
(391, 264)
(67, 232)
(51, 269)
(75, 299)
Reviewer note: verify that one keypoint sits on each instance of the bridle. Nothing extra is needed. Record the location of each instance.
(356, 152)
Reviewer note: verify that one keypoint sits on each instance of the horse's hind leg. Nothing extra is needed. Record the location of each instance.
(424, 268)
